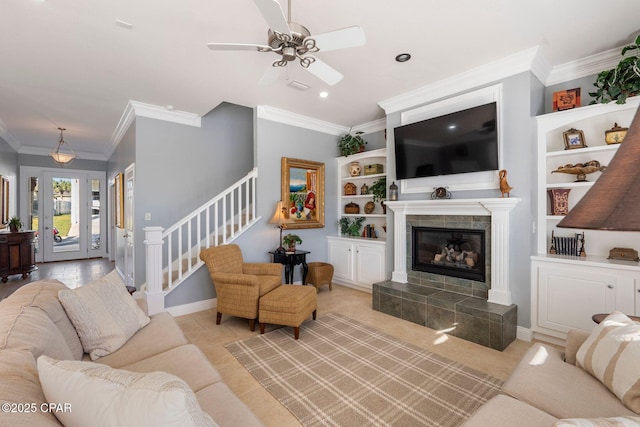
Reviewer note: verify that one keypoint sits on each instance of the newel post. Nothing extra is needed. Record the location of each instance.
(153, 243)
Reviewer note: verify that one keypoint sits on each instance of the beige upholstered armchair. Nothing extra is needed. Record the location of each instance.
(239, 285)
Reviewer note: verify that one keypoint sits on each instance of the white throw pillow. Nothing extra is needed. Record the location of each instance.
(91, 394)
(611, 354)
(104, 315)
(599, 422)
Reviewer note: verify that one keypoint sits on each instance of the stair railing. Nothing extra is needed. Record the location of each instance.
(172, 255)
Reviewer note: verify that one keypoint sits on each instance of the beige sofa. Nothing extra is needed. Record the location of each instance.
(33, 322)
(547, 386)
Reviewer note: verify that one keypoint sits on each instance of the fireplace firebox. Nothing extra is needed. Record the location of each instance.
(449, 251)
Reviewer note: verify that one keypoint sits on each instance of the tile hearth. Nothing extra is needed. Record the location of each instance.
(463, 316)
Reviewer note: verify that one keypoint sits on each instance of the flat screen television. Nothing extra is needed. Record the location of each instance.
(461, 142)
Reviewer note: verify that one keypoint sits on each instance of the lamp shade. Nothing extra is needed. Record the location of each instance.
(279, 216)
(613, 202)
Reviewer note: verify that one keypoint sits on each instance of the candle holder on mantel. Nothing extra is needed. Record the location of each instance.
(559, 200)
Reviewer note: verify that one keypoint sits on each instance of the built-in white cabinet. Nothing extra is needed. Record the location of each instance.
(567, 290)
(567, 293)
(357, 262)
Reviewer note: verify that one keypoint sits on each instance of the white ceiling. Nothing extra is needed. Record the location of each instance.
(66, 62)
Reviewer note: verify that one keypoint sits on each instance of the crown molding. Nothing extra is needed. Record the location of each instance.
(140, 109)
(8, 137)
(479, 76)
(294, 119)
(373, 126)
(584, 67)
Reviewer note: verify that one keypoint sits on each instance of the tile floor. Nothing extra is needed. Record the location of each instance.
(201, 329)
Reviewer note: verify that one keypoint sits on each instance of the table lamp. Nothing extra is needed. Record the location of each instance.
(280, 219)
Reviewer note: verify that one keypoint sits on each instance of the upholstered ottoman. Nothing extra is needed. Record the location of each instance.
(287, 305)
(320, 273)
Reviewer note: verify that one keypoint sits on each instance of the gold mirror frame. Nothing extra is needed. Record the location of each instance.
(4, 202)
(303, 192)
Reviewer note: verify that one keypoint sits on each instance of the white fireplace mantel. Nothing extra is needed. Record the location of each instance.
(497, 208)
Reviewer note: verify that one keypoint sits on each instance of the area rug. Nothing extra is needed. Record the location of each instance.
(343, 373)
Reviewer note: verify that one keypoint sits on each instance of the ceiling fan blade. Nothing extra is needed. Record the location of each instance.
(270, 75)
(324, 72)
(238, 46)
(340, 39)
(272, 13)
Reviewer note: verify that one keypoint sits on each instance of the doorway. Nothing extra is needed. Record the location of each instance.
(64, 207)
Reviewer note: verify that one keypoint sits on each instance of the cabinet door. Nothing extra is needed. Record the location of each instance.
(341, 257)
(568, 297)
(370, 263)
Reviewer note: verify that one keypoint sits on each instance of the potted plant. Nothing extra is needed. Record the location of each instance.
(379, 189)
(621, 82)
(290, 241)
(351, 143)
(350, 227)
(15, 224)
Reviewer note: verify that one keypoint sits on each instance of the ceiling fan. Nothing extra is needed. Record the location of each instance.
(293, 41)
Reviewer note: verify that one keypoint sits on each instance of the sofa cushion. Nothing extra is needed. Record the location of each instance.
(20, 386)
(599, 422)
(43, 294)
(504, 411)
(186, 362)
(103, 396)
(161, 334)
(226, 408)
(545, 381)
(29, 328)
(611, 354)
(104, 315)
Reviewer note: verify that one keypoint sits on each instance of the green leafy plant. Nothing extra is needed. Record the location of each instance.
(291, 240)
(15, 224)
(350, 226)
(621, 82)
(379, 189)
(351, 143)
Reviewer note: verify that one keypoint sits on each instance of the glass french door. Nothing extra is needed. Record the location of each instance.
(64, 207)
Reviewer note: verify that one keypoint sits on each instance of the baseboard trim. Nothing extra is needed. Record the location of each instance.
(193, 307)
(524, 334)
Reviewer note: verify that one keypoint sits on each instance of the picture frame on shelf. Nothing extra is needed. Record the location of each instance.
(302, 190)
(574, 138)
(566, 99)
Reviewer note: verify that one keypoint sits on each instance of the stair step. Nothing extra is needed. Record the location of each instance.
(174, 273)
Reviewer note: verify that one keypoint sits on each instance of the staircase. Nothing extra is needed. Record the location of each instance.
(172, 255)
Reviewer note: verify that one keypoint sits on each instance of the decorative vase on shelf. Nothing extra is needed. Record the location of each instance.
(355, 169)
(559, 200)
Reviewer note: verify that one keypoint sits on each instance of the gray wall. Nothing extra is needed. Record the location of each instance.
(274, 141)
(178, 168)
(522, 99)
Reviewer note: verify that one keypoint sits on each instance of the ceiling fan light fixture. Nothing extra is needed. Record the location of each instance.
(403, 57)
(61, 157)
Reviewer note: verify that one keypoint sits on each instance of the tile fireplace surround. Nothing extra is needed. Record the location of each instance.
(475, 311)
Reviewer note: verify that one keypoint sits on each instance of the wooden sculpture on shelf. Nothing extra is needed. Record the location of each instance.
(581, 169)
(504, 185)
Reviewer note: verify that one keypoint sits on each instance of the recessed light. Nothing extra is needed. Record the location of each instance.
(452, 127)
(403, 57)
(324, 94)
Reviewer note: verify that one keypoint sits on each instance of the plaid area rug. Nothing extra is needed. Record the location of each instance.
(343, 373)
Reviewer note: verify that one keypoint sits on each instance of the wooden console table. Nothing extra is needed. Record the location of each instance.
(17, 254)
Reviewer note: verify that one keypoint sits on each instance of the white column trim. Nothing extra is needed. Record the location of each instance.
(499, 211)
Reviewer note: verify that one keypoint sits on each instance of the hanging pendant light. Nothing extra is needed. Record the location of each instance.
(62, 157)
